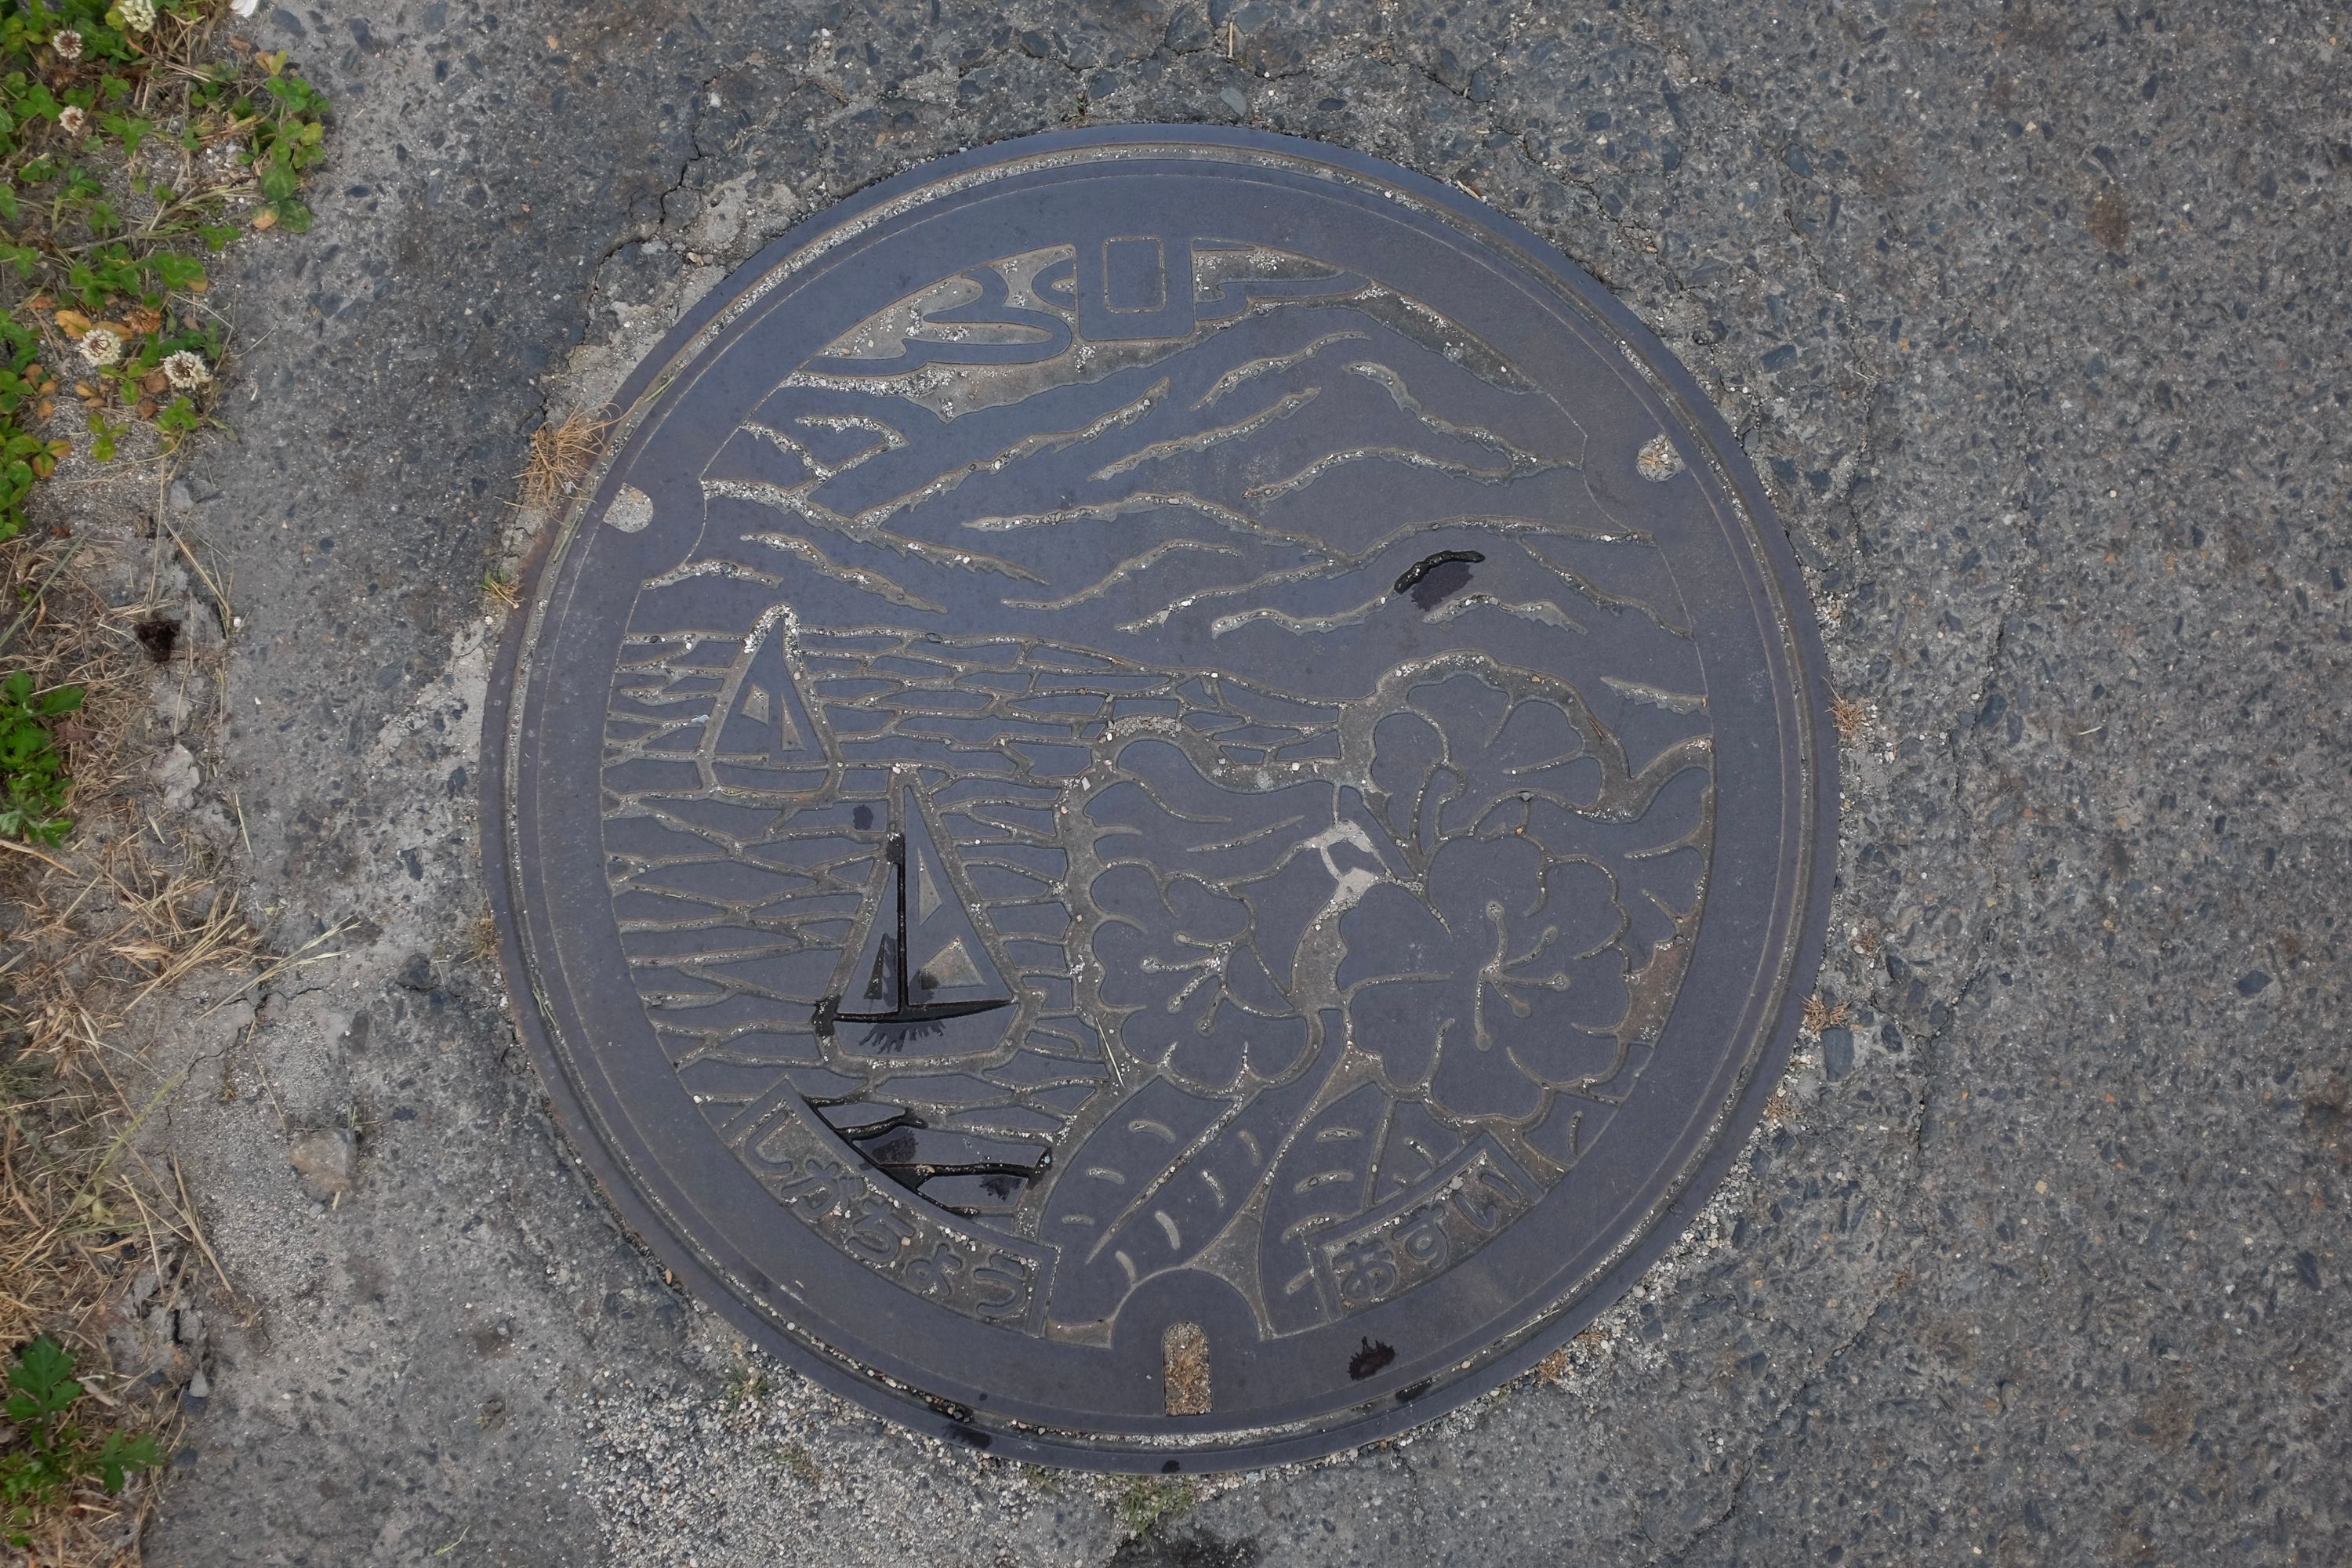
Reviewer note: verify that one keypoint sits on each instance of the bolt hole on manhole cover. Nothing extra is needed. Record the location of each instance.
(1168, 805)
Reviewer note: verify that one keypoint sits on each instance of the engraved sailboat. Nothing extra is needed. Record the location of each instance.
(916, 905)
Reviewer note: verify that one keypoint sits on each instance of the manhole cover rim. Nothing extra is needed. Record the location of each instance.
(1781, 592)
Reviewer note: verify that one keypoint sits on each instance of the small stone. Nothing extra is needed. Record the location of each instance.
(933, 87)
(1235, 101)
(173, 708)
(2252, 983)
(176, 776)
(1837, 1053)
(182, 498)
(143, 1286)
(325, 1161)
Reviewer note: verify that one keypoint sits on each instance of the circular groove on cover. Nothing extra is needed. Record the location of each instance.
(1169, 805)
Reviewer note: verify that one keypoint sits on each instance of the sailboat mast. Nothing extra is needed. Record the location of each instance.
(902, 922)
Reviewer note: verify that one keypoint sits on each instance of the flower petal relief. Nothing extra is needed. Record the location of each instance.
(1514, 984)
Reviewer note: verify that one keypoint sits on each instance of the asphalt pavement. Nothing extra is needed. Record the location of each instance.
(2037, 322)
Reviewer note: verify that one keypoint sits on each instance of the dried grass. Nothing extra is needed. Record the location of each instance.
(1849, 716)
(98, 1229)
(93, 933)
(482, 938)
(562, 453)
(502, 591)
(1560, 1366)
(1818, 1015)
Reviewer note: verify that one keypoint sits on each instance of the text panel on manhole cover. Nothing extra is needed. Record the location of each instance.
(1169, 791)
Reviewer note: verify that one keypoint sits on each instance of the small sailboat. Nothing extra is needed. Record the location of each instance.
(765, 741)
(916, 905)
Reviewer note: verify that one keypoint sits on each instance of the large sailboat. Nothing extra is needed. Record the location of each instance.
(885, 1002)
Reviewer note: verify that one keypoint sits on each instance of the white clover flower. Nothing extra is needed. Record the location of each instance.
(138, 15)
(102, 347)
(186, 370)
(68, 44)
(72, 119)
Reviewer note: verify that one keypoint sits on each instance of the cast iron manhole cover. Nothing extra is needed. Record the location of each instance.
(1168, 801)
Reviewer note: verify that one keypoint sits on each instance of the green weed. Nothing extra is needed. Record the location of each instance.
(126, 157)
(51, 1457)
(1148, 1502)
(33, 782)
(747, 1388)
(500, 589)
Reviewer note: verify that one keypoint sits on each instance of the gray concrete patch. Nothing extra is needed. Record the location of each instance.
(2035, 323)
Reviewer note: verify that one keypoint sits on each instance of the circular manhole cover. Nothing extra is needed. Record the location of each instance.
(1168, 803)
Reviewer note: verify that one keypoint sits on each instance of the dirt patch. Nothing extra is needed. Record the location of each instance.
(104, 1250)
(2111, 220)
(1185, 1349)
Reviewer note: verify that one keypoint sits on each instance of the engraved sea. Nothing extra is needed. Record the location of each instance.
(1277, 715)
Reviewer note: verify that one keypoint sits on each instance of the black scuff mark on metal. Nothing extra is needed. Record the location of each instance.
(1434, 579)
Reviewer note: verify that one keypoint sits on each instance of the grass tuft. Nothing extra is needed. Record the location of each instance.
(562, 453)
(1148, 1503)
(1849, 716)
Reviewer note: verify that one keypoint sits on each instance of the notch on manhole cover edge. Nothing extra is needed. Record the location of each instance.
(1170, 803)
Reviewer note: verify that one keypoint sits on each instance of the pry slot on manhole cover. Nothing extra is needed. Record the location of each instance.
(1168, 804)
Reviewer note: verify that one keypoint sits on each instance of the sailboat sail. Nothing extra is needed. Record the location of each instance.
(764, 738)
(762, 716)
